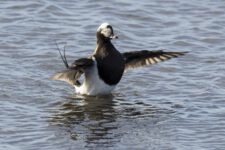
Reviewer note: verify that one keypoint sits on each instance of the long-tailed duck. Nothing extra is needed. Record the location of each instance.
(104, 69)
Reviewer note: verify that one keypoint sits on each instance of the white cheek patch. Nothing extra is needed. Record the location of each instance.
(106, 32)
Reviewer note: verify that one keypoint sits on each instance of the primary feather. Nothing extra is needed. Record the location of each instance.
(141, 58)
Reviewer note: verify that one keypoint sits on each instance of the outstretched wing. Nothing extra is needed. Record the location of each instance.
(73, 71)
(72, 74)
(144, 57)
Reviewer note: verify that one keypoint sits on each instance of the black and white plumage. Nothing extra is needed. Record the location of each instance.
(104, 69)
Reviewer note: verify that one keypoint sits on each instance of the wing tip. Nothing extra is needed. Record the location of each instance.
(183, 53)
(55, 76)
(52, 77)
(174, 54)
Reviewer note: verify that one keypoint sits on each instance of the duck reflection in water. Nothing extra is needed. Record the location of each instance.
(89, 118)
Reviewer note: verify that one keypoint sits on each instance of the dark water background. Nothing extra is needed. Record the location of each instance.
(178, 104)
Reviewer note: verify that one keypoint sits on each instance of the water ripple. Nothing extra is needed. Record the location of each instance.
(178, 104)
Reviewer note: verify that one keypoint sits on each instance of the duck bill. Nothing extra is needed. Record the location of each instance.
(113, 36)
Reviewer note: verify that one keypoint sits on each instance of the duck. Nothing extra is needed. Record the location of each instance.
(104, 69)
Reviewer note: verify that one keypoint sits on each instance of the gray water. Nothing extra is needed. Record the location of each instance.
(178, 104)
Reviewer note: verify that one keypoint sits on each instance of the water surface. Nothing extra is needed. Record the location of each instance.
(178, 104)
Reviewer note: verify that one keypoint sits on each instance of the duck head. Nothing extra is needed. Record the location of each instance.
(105, 32)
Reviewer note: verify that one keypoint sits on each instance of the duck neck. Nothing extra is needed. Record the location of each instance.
(102, 44)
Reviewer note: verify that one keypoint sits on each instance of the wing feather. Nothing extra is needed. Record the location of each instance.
(144, 57)
(74, 71)
(70, 76)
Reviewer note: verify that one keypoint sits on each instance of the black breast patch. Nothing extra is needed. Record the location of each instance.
(110, 67)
